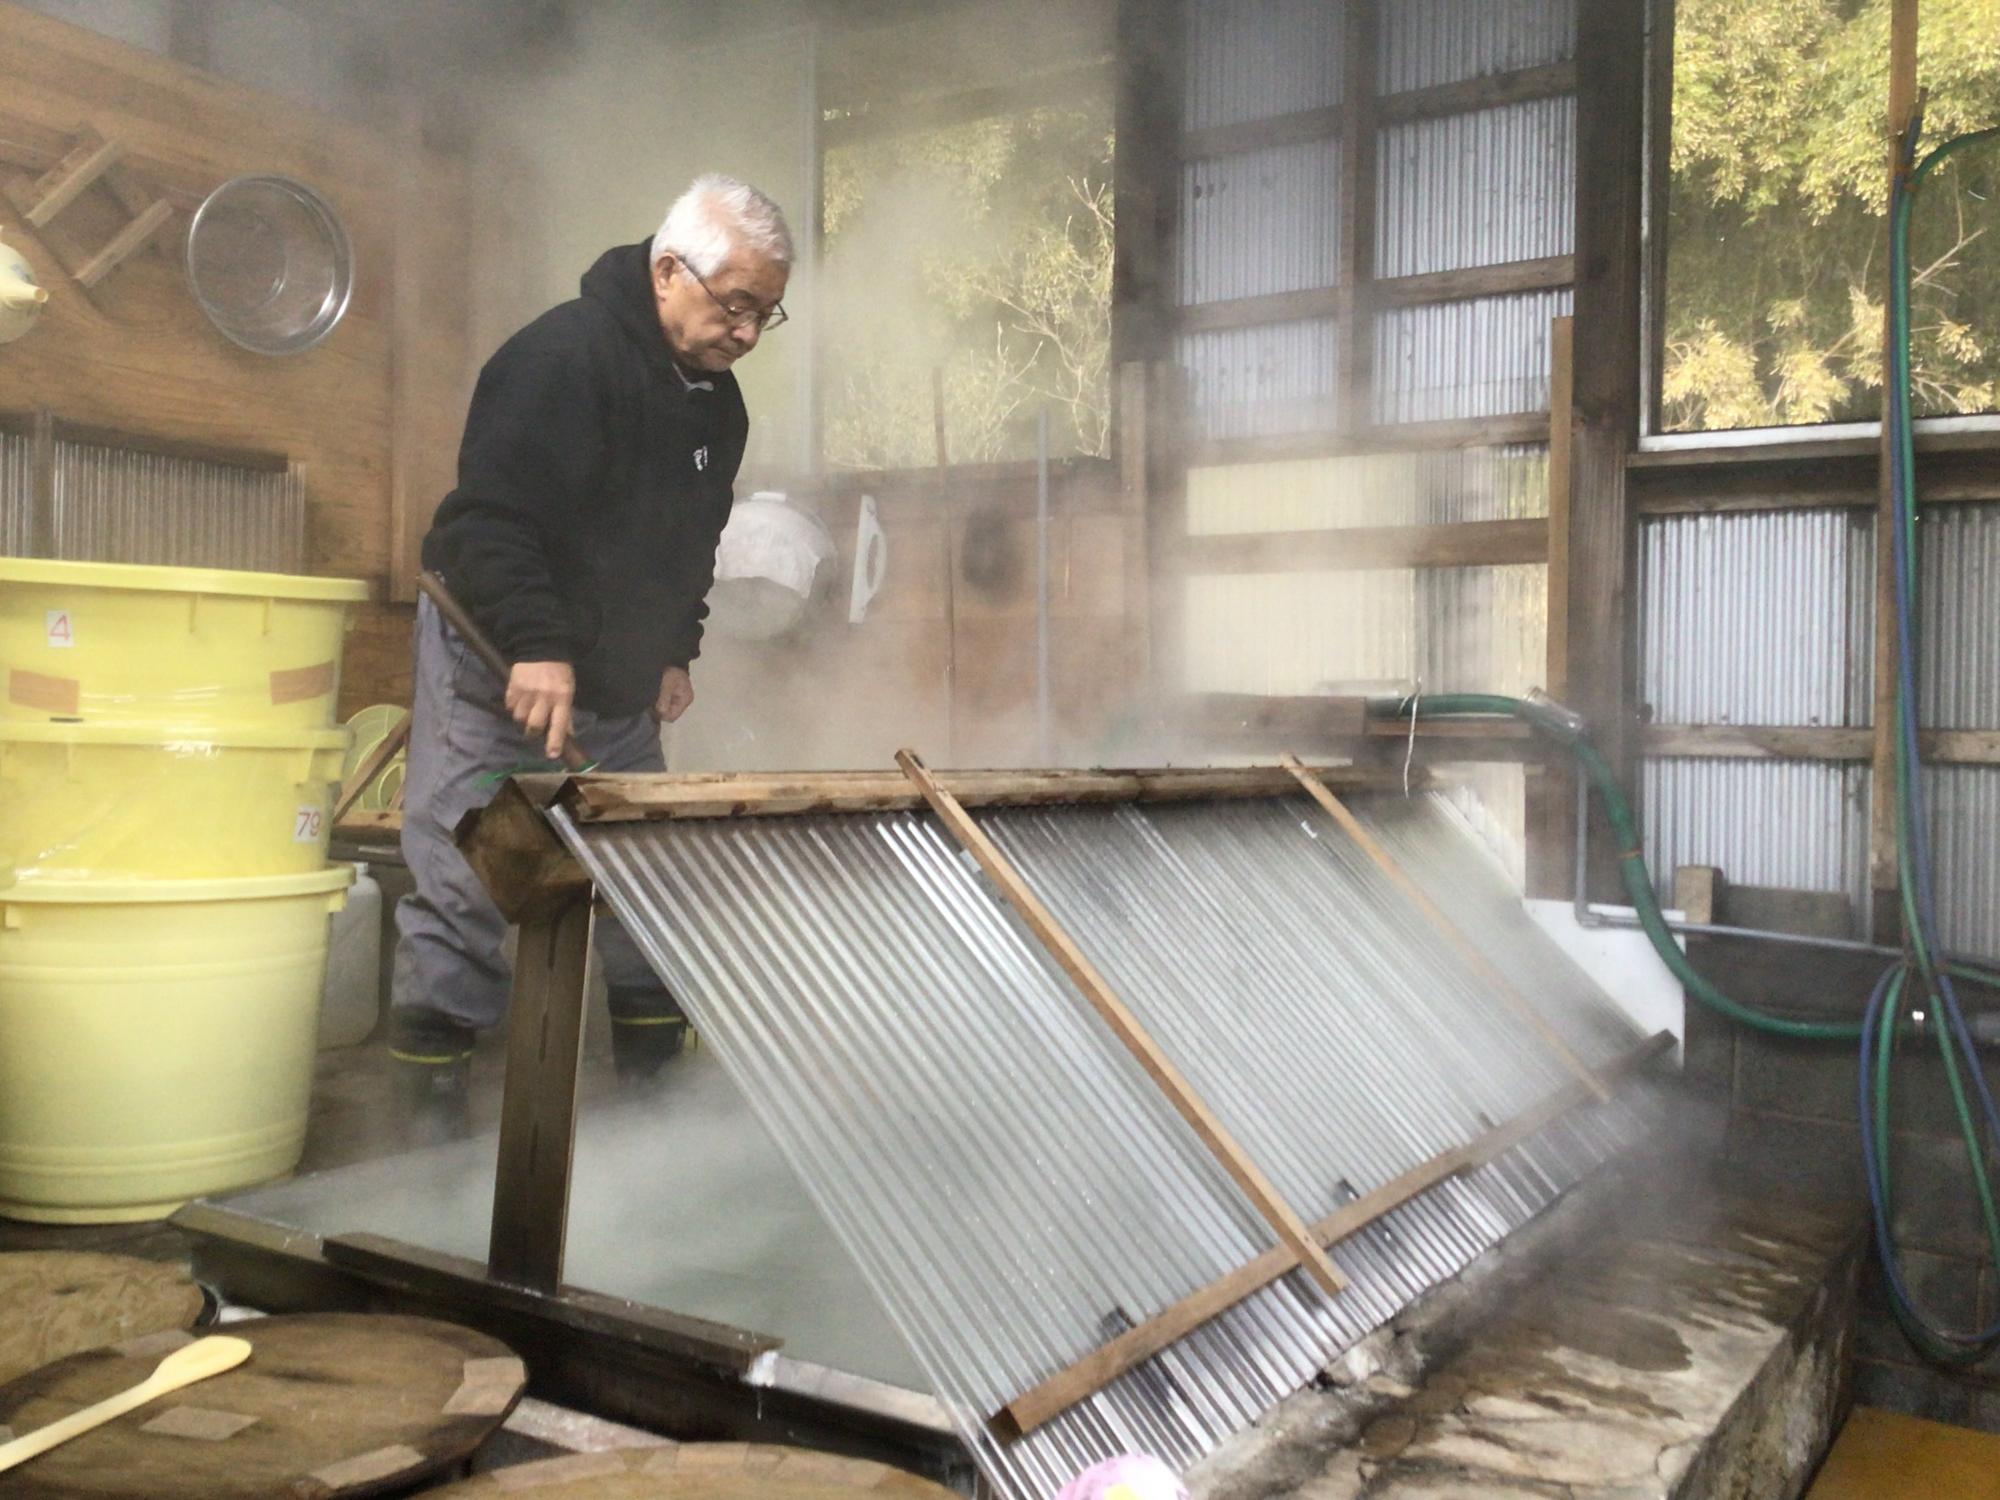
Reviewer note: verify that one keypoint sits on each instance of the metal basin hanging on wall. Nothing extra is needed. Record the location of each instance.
(270, 263)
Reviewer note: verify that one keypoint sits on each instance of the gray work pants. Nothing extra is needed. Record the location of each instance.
(449, 933)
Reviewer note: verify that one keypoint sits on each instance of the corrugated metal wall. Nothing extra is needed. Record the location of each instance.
(127, 505)
(1373, 489)
(1263, 382)
(1431, 42)
(1251, 59)
(1480, 357)
(1478, 189)
(1260, 222)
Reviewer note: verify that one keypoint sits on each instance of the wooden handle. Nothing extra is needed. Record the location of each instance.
(456, 617)
(186, 1365)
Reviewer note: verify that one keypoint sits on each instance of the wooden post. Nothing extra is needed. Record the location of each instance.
(538, 1108)
(1883, 861)
(1290, 1228)
(1551, 852)
(1356, 247)
(1447, 929)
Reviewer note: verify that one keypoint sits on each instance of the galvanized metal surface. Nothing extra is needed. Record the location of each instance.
(1480, 357)
(1250, 382)
(17, 493)
(1802, 825)
(1375, 489)
(1958, 597)
(1260, 222)
(1965, 852)
(1760, 617)
(1250, 59)
(128, 506)
(1477, 189)
(1429, 42)
(1012, 1186)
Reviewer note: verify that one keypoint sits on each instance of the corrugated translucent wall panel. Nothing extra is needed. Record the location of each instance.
(1249, 382)
(1250, 59)
(1012, 1185)
(1965, 855)
(1482, 357)
(1958, 594)
(1477, 189)
(1749, 618)
(17, 493)
(1802, 825)
(1428, 42)
(1456, 629)
(122, 505)
(1376, 489)
(1260, 222)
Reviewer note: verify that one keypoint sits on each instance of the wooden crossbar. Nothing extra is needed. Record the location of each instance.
(1106, 1363)
(1298, 1243)
(1447, 929)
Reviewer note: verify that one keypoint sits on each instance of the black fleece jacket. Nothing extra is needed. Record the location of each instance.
(593, 485)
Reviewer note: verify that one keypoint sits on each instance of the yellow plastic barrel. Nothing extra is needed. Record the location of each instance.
(130, 802)
(156, 1039)
(186, 648)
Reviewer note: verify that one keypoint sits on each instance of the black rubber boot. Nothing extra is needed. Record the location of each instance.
(648, 1031)
(432, 1060)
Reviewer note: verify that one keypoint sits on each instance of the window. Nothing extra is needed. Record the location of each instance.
(1775, 237)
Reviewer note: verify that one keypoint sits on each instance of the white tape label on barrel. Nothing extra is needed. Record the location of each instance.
(57, 625)
(306, 825)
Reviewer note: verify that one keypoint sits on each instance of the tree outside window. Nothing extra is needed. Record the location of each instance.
(1776, 239)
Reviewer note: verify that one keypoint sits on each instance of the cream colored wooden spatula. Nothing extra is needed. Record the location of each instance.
(186, 1365)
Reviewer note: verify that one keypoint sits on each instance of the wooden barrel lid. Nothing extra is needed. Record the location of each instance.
(699, 1471)
(62, 1302)
(328, 1404)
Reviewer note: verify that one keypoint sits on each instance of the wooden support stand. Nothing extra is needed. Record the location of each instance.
(538, 1110)
(1298, 1239)
(95, 159)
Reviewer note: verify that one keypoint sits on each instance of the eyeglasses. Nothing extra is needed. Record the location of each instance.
(763, 319)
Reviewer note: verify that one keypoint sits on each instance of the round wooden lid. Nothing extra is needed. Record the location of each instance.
(61, 1302)
(699, 1471)
(328, 1404)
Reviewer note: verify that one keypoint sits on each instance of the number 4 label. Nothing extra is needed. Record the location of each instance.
(58, 627)
(307, 825)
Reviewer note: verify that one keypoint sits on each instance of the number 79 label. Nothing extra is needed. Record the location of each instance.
(306, 825)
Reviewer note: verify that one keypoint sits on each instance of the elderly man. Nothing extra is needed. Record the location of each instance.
(593, 482)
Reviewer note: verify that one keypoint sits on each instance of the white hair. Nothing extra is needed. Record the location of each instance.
(719, 214)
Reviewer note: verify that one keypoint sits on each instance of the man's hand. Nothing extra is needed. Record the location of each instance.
(676, 694)
(539, 694)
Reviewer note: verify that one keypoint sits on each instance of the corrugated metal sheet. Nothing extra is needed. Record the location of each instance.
(1802, 825)
(123, 505)
(1477, 189)
(1965, 855)
(1375, 489)
(1260, 222)
(1250, 59)
(1453, 629)
(1010, 1183)
(1958, 597)
(1250, 382)
(1481, 357)
(17, 493)
(1429, 42)
(1747, 619)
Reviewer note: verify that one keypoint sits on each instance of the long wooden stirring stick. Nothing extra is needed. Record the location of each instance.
(186, 1365)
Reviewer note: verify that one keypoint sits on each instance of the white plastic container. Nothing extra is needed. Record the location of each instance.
(351, 1001)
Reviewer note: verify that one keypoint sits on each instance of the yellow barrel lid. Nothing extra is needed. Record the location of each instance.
(34, 892)
(93, 575)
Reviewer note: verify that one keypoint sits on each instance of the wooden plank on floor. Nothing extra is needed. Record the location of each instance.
(1884, 1455)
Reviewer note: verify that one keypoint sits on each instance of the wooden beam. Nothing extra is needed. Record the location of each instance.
(1449, 930)
(1290, 1229)
(1454, 544)
(65, 182)
(1610, 81)
(1257, 135)
(1541, 275)
(1547, 82)
(538, 1110)
(1394, 437)
(1966, 747)
(941, 112)
(122, 246)
(612, 798)
(1355, 247)
(1550, 796)
(1097, 1369)
(1884, 862)
(1273, 307)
